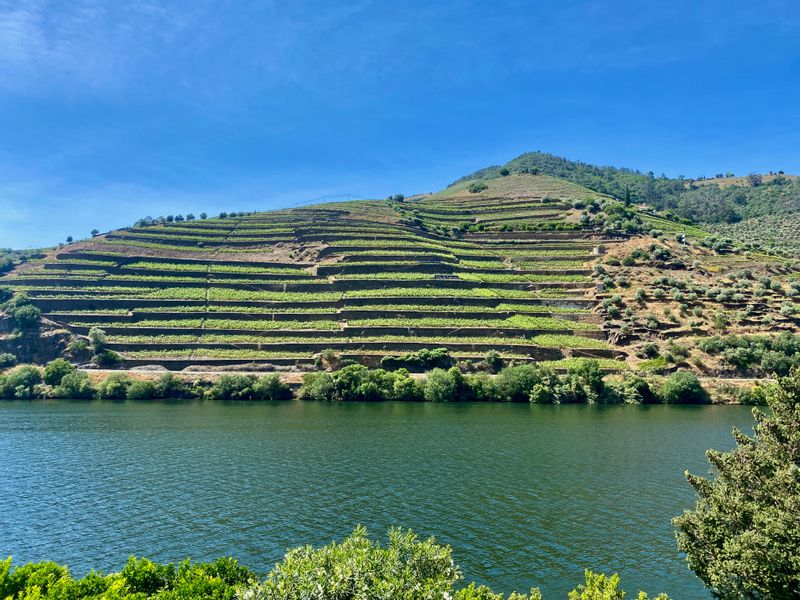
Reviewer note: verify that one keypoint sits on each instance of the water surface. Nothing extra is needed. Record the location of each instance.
(525, 494)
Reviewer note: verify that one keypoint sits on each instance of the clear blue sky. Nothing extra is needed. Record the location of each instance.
(110, 111)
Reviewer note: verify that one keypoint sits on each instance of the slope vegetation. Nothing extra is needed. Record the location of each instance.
(503, 269)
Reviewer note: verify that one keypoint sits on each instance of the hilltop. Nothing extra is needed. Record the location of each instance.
(505, 266)
(760, 210)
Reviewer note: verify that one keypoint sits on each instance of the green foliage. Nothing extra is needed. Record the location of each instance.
(707, 203)
(407, 569)
(24, 315)
(106, 359)
(20, 383)
(169, 386)
(630, 388)
(141, 389)
(75, 385)
(742, 539)
(523, 383)
(140, 579)
(603, 587)
(477, 187)
(249, 387)
(683, 388)
(55, 371)
(771, 354)
(7, 360)
(114, 387)
(447, 386)
(357, 383)
(422, 360)
(97, 340)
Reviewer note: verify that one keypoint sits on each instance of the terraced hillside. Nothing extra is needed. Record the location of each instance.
(501, 268)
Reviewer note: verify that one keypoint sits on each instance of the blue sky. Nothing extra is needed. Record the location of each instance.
(110, 111)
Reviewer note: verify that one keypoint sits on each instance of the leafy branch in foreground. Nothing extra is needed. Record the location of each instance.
(743, 537)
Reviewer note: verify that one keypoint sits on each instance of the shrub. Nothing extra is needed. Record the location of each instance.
(97, 340)
(114, 387)
(477, 187)
(20, 383)
(107, 359)
(582, 383)
(603, 587)
(26, 317)
(648, 350)
(420, 361)
(169, 386)
(493, 360)
(631, 389)
(7, 360)
(683, 388)
(444, 386)
(232, 387)
(141, 390)
(356, 382)
(517, 383)
(75, 385)
(408, 567)
(55, 371)
(146, 577)
(270, 387)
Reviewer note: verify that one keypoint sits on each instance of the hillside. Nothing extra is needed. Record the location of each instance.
(501, 270)
(523, 267)
(722, 201)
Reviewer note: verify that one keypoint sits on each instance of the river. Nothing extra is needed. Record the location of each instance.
(525, 494)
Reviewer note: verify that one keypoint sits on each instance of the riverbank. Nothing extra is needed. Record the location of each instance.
(583, 383)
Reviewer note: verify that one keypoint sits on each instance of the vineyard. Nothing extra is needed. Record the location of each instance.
(503, 270)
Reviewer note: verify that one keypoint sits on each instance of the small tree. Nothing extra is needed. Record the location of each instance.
(743, 537)
(97, 340)
(69, 239)
(683, 388)
(95, 232)
(754, 179)
(56, 370)
(203, 215)
(26, 317)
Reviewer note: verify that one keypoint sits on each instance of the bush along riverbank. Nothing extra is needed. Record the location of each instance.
(583, 383)
(407, 568)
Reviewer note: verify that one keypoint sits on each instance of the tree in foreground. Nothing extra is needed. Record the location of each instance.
(743, 537)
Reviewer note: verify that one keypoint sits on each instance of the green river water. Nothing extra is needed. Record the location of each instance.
(526, 495)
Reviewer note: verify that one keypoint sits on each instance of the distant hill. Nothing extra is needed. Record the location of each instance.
(718, 200)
